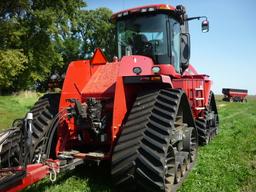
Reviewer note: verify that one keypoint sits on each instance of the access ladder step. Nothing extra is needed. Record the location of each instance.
(96, 154)
(200, 108)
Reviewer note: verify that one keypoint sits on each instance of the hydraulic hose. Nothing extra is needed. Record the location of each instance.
(47, 142)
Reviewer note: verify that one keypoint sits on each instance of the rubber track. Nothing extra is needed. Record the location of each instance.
(202, 131)
(138, 161)
(125, 151)
(202, 127)
(43, 111)
(10, 147)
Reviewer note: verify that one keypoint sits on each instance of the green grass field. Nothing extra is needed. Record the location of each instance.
(228, 163)
(13, 107)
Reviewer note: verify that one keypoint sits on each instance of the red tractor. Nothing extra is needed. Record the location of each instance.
(145, 112)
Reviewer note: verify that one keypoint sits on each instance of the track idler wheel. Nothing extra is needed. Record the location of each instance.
(190, 143)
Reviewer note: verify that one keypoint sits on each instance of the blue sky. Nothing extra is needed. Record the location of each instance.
(228, 52)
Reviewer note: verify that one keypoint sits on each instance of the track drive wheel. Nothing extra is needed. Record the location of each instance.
(149, 153)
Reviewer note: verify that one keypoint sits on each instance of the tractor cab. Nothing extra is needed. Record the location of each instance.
(156, 31)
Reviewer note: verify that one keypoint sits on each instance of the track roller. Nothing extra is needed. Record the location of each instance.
(184, 161)
(181, 161)
(178, 173)
(190, 143)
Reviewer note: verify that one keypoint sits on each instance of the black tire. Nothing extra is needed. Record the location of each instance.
(144, 156)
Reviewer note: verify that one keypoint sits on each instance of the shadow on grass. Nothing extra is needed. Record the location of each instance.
(97, 179)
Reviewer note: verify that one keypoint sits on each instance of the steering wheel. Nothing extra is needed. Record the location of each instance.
(147, 48)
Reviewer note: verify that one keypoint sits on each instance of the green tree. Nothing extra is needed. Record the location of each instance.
(97, 31)
(36, 27)
(48, 23)
(41, 36)
(12, 64)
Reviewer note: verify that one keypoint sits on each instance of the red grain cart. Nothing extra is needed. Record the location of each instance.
(235, 95)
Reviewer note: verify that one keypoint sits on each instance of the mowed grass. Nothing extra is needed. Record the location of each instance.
(85, 178)
(15, 106)
(228, 163)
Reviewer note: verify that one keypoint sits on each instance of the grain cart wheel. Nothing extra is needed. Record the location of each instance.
(208, 127)
(145, 157)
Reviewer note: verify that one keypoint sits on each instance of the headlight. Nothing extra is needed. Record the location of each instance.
(156, 69)
(137, 70)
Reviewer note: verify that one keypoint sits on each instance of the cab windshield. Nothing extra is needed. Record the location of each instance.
(144, 35)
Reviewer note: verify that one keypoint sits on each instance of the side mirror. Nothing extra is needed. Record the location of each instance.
(185, 51)
(205, 26)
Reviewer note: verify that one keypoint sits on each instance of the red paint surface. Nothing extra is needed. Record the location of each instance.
(35, 173)
(234, 94)
(138, 9)
(102, 82)
(105, 82)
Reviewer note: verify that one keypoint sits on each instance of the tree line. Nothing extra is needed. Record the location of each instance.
(39, 37)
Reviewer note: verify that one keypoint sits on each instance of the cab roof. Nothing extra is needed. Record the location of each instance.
(142, 9)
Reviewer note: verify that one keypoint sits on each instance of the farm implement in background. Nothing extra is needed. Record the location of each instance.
(234, 95)
(145, 112)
